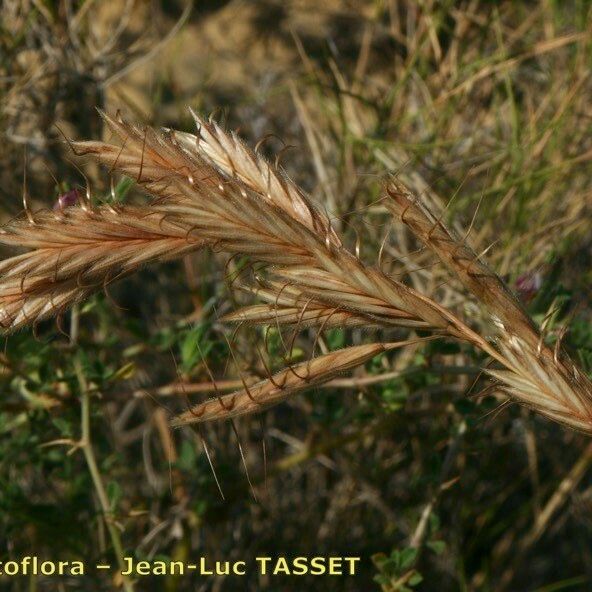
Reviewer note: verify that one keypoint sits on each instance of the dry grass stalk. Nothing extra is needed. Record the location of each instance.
(211, 189)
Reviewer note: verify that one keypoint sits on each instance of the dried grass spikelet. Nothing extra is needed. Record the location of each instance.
(76, 252)
(227, 153)
(546, 382)
(542, 379)
(212, 190)
(246, 217)
(285, 383)
(286, 305)
(464, 263)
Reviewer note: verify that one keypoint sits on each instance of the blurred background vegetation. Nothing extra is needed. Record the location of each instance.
(482, 106)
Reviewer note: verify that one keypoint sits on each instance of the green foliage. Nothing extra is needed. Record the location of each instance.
(395, 573)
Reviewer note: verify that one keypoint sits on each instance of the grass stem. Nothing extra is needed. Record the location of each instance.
(91, 461)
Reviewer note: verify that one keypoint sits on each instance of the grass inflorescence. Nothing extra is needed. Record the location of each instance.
(210, 189)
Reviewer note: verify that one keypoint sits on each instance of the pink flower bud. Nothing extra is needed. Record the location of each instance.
(528, 285)
(70, 198)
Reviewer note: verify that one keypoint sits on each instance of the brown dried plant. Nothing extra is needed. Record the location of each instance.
(212, 190)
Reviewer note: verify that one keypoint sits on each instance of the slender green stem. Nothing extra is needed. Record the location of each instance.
(89, 455)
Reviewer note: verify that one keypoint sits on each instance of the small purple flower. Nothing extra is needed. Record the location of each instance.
(528, 284)
(70, 198)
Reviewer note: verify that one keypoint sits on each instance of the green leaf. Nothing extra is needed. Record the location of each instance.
(335, 338)
(187, 457)
(123, 188)
(408, 557)
(415, 579)
(438, 547)
(378, 559)
(193, 347)
(114, 494)
(126, 372)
